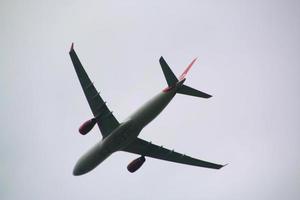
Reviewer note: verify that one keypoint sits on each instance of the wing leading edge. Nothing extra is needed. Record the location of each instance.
(145, 148)
(105, 119)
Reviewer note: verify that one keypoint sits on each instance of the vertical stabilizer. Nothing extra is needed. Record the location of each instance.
(182, 76)
(177, 83)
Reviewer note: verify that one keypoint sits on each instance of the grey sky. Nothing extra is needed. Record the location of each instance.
(248, 59)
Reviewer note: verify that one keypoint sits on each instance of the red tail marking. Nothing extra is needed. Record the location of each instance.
(182, 76)
(167, 89)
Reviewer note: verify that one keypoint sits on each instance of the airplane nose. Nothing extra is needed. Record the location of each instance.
(78, 169)
(76, 172)
(90, 160)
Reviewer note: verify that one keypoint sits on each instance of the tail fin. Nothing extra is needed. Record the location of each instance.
(174, 83)
(192, 92)
(188, 90)
(182, 76)
(169, 75)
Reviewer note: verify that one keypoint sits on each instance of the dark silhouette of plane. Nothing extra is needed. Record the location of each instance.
(124, 136)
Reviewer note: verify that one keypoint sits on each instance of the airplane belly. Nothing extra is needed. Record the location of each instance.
(117, 140)
(92, 158)
(151, 109)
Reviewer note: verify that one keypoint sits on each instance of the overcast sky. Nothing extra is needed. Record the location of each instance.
(248, 59)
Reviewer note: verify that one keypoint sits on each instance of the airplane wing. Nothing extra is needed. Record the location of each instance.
(105, 119)
(145, 148)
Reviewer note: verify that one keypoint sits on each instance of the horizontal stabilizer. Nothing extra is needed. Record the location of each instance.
(169, 75)
(192, 92)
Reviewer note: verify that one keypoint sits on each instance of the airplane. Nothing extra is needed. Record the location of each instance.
(124, 136)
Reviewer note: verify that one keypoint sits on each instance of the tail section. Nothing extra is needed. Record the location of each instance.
(192, 92)
(177, 84)
(182, 76)
(169, 75)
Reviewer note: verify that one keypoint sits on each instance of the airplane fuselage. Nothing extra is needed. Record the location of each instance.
(124, 136)
(126, 133)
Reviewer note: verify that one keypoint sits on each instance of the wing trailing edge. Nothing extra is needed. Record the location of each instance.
(144, 148)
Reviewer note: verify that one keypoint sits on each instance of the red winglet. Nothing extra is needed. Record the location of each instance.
(182, 76)
(72, 46)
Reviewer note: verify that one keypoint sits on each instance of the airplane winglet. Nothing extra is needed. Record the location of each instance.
(72, 47)
(224, 165)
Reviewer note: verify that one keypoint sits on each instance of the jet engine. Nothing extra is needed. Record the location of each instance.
(136, 164)
(87, 126)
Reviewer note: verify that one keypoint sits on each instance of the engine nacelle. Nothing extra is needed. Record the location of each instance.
(87, 126)
(136, 164)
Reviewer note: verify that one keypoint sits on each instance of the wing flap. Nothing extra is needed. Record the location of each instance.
(145, 148)
(105, 119)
